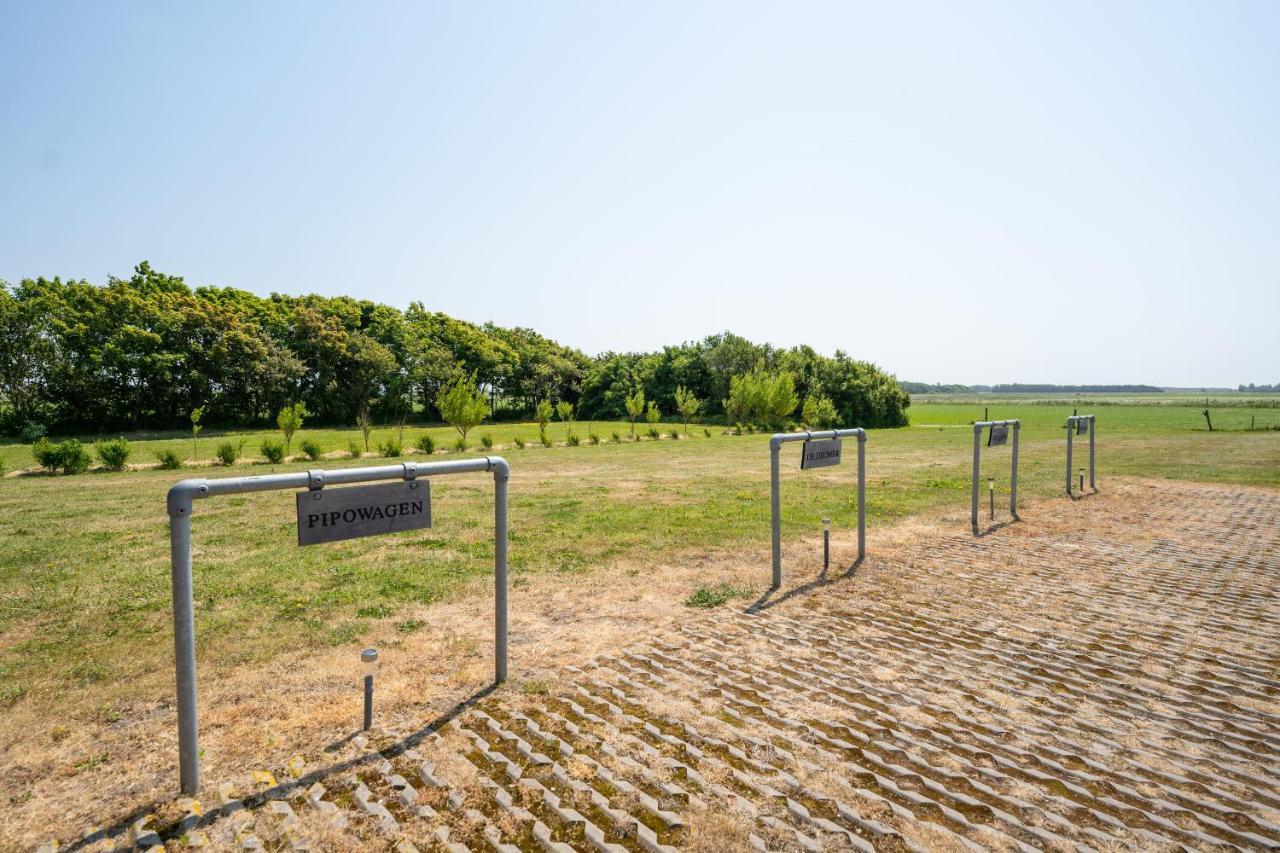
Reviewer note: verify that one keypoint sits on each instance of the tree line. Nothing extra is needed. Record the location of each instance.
(147, 351)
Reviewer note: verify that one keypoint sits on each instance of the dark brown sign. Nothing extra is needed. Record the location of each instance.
(999, 435)
(1082, 427)
(331, 515)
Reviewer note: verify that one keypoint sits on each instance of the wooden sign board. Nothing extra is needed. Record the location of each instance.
(820, 453)
(999, 435)
(331, 515)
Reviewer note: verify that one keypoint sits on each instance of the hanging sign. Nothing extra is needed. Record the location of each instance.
(820, 453)
(331, 515)
(1082, 426)
(999, 435)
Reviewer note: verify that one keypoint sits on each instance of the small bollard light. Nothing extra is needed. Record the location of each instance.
(991, 490)
(1082, 479)
(826, 542)
(369, 665)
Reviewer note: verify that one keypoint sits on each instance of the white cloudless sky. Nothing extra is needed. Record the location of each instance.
(961, 192)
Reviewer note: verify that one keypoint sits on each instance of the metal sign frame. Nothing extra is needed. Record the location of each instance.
(775, 494)
(1073, 423)
(978, 428)
(181, 504)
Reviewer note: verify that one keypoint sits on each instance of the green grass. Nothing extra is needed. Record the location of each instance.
(714, 596)
(84, 562)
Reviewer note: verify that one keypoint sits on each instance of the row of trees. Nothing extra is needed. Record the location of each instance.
(148, 351)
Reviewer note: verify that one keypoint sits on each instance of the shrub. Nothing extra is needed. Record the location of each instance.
(312, 449)
(169, 459)
(545, 439)
(615, 438)
(114, 452)
(353, 448)
(391, 447)
(574, 441)
(593, 438)
(462, 406)
(426, 444)
(290, 421)
(460, 444)
(31, 432)
(714, 596)
(272, 449)
(706, 432)
(229, 452)
(69, 457)
(543, 414)
(519, 442)
(675, 433)
(654, 434)
(486, 441)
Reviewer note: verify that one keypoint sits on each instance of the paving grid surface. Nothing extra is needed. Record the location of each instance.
(1007, 692)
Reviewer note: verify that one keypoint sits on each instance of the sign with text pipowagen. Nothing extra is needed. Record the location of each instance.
(820, 452)
(331, 515)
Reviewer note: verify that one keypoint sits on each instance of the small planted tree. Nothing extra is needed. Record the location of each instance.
(543, 414)
(366, 424)
(290, 421)
(197, 414)
(114, 453)
(652, 416)
(687, 405)
(634, 404)
(564, 409)
(462, 406)
(818, 412)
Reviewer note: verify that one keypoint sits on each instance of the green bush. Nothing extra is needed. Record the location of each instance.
(229, 451)
(354, 448)
(654, 434)
(169, 459)
(486, 441)
(519, 442)
(272, 450)
(545, 439)
(460, 444)
(615, 438)
(114, 452)
(675, 433)
(574, 441)
(31, 432)
(69, 457)
(426, 444)
(391, 447)
(311, 449)
(593, 438)
(706, 432)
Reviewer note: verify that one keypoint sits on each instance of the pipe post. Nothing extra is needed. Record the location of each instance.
(1093, 425)
(977, 465)
(1013, 482)
(501, 476)
(1071, 428)
(775, 508)
(862, 495)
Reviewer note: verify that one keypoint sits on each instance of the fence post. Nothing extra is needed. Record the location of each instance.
(501, 475)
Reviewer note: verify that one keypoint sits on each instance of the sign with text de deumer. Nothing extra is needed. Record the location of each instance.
(331, 515)
(820, 452)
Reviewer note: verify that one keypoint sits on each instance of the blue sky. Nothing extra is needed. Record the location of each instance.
(961, 192)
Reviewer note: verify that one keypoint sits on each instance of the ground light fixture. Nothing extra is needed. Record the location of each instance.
(369, 668)
(991, 490)
(826, 542)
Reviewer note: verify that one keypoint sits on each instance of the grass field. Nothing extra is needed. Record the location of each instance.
(85, 623)
(84, 588)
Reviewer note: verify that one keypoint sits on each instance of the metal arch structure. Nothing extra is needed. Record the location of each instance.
(1073, 423)
(978, 429)
(775, 494)
(181, 504)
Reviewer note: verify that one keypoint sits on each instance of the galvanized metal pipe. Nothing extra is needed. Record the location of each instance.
(775, 487)
(180, 502)
(1071, 429)
(978, 427)
(1093, 427)
(1091, 422)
